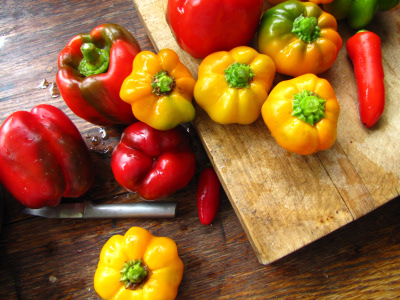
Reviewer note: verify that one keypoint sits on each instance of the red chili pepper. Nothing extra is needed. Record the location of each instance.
(364, 49)
(208, 195)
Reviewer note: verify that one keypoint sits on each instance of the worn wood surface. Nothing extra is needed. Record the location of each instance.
(285, 201)
(56, 259)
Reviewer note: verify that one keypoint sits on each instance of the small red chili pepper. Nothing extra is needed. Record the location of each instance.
(208, 195)
(364, 49)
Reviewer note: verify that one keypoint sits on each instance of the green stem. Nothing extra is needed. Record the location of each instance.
(238, 75)
(133, 273)
(162, 83)
(308, 107)
(95, 60)
(306, 28)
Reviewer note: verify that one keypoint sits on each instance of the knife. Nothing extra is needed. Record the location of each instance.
(89, 210)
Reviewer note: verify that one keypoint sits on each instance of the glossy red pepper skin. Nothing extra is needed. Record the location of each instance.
(208, 195)
(95, 98)
(43, 157)
(364, 50)
(202, 27)
(154, 163)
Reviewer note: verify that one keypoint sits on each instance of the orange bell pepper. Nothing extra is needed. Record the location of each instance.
(302, 114)
(300, 37)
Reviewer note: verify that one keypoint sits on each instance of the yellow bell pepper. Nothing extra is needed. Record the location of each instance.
(302, 114)
(138, 265)
(160, 90)
(232, 86)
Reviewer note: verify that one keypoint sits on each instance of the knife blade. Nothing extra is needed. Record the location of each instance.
(89, 210)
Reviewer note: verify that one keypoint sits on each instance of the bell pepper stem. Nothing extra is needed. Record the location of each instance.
(306, 28)
(133, 273)
(95, 60)
(238, 75)
(308, 107)
(162, 83)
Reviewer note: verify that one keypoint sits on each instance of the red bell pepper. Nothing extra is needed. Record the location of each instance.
(91, 69)
(43, 157)
(202, 27)
(364, 49)
(154, 163)
(208, 195)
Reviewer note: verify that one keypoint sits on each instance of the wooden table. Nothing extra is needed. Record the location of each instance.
(56, 259)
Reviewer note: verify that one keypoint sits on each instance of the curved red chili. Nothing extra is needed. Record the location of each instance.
(208, 195)
(364, 49)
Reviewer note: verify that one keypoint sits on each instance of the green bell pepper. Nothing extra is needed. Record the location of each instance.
(358, 13)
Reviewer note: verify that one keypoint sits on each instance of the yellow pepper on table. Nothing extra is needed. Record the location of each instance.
(138, 265)
(232, 86)
(302, 114)
(160, 90)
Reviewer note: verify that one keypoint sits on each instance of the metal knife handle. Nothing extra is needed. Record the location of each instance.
(160, 209)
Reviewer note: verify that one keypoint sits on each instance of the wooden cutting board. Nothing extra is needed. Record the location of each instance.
(285, 201)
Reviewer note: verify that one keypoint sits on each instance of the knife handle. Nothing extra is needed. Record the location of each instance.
(159, 209)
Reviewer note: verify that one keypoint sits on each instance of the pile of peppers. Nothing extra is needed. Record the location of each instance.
(106, 79)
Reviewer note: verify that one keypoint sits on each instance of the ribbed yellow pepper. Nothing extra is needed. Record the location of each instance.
(302, 114)
(138, 265)
(160, 90)
(232, 86)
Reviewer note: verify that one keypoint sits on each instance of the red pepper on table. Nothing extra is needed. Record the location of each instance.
(202, 27)
(91, 69)
(43, 157)
(364, 49)
(208, 195)
(154, 163)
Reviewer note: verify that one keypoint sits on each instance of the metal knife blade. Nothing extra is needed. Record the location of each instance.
(89, 210)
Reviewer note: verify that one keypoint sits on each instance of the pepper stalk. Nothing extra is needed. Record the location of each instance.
(308, 107)
(162, 83)
(306, 28)
(133, 273)
(238, 75)
(95, 60)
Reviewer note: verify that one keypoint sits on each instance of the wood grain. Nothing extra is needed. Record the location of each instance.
(283, 200)
(53, 259)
